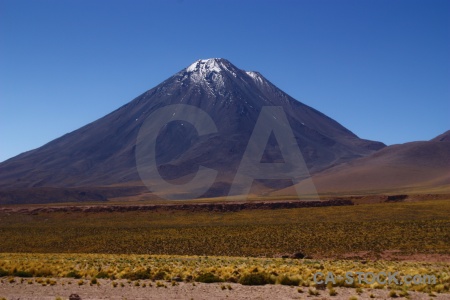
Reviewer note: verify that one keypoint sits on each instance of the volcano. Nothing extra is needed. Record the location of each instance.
(98, 161)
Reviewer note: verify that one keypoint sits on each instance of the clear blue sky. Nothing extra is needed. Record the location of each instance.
(381, 68)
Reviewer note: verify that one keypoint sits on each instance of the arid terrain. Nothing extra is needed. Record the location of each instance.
(199, 291)
(224, 251)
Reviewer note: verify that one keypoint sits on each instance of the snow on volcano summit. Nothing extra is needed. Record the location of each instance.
(210, 70)
(205, 65)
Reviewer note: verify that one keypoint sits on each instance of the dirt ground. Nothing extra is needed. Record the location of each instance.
(200, 291)
(391, 255)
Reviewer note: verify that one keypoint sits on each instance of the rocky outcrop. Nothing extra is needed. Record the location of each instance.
(207, 207)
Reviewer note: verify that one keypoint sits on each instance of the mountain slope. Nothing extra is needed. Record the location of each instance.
(102, 153)
(416, 166)
(445, 137)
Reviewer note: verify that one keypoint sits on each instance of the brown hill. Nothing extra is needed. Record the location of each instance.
(410, 167)
(445, 137)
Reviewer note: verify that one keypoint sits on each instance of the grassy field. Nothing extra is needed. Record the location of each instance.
(409, 227)
(86, 268)
(243, 247)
